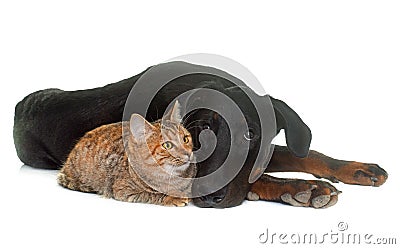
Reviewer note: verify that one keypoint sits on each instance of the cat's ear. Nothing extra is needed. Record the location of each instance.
(140, 127)
(174, 114)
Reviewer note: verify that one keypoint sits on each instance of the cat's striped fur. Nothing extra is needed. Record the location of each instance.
(141, 171)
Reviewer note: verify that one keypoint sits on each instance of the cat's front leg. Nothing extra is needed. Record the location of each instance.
(129, 195)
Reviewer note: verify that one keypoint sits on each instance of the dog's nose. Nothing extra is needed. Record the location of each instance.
(207, 197)
(213, 199)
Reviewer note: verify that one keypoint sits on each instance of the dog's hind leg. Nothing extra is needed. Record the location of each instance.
(326, 167)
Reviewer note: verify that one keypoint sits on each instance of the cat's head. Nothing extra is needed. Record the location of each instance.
(165, 141)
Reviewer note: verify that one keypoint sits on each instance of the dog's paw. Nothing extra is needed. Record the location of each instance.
(316, 194)
(370, 174)
(359, 173)
(175, 201)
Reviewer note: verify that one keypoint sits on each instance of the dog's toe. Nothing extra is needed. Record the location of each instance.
(251, 196)
(320, 201)
(287, 198)
(303, 197)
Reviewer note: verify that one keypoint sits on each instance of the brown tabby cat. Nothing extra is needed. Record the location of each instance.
(155, 160)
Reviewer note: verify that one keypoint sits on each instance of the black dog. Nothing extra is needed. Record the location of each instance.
(48, 123)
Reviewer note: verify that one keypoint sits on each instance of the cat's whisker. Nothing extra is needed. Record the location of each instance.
(187, 125)
(184, 121)
(170, 173)
(197, 126)
(157, 110)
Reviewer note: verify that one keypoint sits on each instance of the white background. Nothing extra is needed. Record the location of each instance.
(337, 63)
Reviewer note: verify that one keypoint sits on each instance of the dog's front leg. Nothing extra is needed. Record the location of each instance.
(322, 166)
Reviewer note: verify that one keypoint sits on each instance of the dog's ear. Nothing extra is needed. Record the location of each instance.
(298, 135)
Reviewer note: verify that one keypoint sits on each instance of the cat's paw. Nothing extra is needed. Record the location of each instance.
(175, 201)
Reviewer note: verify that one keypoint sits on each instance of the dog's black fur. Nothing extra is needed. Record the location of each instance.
(48, 123)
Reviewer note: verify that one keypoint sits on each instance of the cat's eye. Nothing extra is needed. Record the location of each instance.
(167, 145)
(186, 139)
(249, 135)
